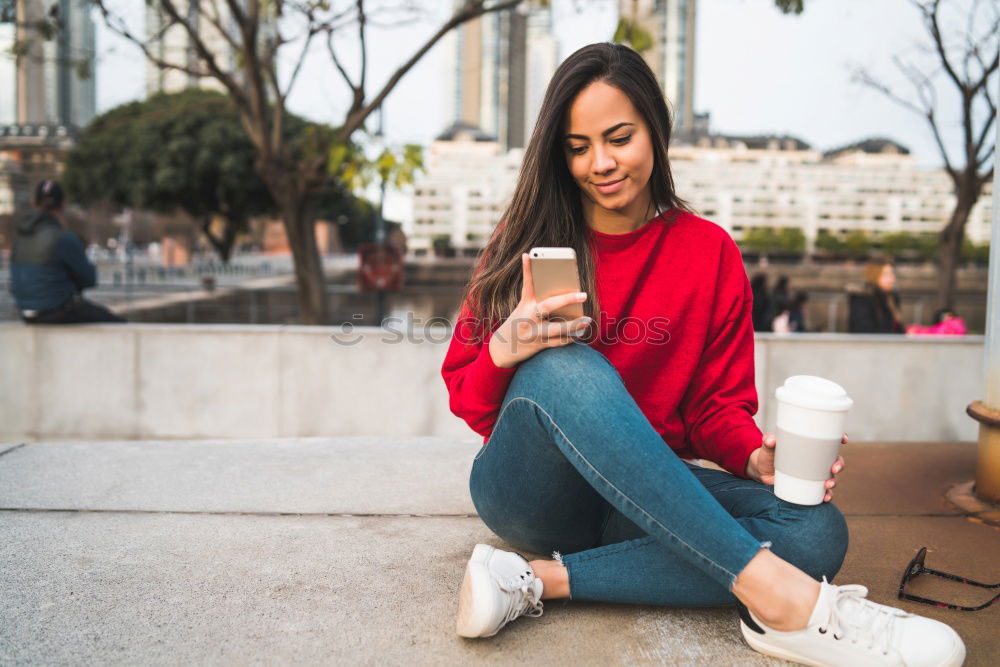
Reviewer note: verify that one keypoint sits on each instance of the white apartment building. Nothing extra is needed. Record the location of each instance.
(738, 183)
(468, 182)
(874, 186)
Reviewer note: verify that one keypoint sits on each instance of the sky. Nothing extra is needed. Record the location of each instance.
(757, 71)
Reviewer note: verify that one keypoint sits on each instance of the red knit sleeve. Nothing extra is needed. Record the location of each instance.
(476, 385)
(721, 400)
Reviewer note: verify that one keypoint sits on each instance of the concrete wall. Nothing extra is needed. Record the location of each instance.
(177, 381)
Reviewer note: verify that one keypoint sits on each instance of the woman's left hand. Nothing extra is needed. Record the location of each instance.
(760, 465)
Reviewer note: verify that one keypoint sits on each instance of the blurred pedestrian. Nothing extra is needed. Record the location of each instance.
(49, 268)
(875, 308)
(762, 306)
(779, 296)
(797, 312)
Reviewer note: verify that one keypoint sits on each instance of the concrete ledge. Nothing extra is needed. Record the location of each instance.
(158, 381)
(330, 476)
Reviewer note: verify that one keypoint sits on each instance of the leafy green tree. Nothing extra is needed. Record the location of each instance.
(630, 31)
(790, 6)
(896, 244)
(786, 240)
(977, 253)
(857, 244)
(829, 243)
(791, 240)
(182, 151)
(260, 35)
(185, 151)
(907, 245)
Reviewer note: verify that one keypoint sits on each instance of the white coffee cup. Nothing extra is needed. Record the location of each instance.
(812, 413)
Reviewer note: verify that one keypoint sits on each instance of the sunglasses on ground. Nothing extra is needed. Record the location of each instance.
(917, 567)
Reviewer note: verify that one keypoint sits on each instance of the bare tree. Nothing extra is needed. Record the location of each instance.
(968, 63)
(252, 29)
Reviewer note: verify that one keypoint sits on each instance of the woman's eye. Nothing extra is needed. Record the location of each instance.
(620, 141)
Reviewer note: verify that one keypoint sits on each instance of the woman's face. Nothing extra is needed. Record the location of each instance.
(887, 278)
(607, 143)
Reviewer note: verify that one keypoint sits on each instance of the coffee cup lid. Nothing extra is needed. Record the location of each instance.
(809, 391)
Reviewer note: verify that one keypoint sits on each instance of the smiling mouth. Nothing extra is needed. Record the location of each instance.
(609, 182)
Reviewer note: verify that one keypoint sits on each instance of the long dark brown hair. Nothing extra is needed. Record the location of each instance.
(546, 209)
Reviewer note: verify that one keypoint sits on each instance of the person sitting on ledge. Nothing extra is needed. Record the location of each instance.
(49, 269)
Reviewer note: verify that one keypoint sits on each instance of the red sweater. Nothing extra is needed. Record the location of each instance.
(678, 287)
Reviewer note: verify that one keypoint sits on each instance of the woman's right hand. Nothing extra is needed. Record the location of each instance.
(526, 331)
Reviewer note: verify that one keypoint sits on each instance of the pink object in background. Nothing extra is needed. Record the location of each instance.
(953, 326)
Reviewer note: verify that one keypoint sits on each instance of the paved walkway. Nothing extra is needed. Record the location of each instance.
(351, 550)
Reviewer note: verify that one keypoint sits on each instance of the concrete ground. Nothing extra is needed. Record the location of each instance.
(351, 550)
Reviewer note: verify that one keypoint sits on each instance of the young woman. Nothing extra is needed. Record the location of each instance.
(876, 308)
(594, 429)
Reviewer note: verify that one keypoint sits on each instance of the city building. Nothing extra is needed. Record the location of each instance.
(174, 45)
(8, 61)
(50, 82)
(671, 27)
(500, 65)
(460, 198)
(873, 186)
(28, 154)
(737, 182)
(15, 196)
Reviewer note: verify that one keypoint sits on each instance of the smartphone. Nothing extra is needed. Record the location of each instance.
(554, 271)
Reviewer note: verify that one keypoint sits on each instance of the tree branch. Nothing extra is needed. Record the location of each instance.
(863, 77)
(298, 64)
(987, 71)
(982, 161)
(364, 52)
(214, 19)
(981, 139)
(336, 60)
(987, 177)
(116, 25)
(928, 111)
(257, 102)
(333, 23)
(931, 16)
(469, 10)
(204, 53)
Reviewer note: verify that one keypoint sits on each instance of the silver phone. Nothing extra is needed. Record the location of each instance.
(554, 271)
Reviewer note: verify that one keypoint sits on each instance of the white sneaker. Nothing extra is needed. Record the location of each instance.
(498, 587)
(847, 629)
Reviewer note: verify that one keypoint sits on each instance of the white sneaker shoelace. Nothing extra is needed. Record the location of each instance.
(857, 619)
(523, 600)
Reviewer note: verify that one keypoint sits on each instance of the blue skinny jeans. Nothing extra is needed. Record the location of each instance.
(572, 465)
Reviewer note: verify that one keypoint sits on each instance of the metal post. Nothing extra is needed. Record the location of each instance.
(987, 413)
